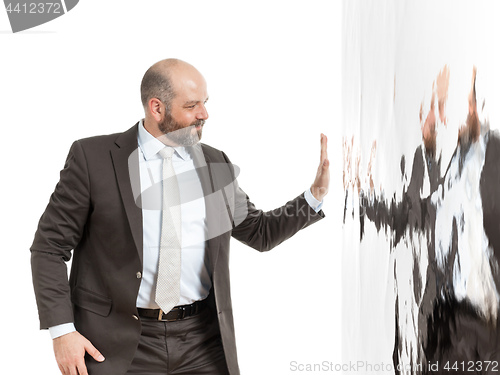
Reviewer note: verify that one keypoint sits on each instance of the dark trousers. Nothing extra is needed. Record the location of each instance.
(191, 346)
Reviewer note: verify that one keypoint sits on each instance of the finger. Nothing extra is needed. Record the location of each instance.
(323, 168)
(73, 370)
(82, 369)
(324, 154)
(61, 368)
(325, 148)
(65, 369)
(94, 353)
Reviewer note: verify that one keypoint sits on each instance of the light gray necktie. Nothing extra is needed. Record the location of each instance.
(169, 268)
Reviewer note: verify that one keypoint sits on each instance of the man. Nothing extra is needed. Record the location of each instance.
(149, 286)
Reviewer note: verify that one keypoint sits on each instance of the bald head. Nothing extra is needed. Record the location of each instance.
(158, 81)
(173, 95)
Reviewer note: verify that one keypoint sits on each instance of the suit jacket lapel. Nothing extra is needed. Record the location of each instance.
(202, 163)
(126, 163)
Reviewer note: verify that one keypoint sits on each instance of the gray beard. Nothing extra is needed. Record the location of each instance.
(178, 134)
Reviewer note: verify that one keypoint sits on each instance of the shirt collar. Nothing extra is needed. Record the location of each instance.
(150, 145)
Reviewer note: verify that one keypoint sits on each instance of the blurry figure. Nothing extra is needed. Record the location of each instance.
(450, 223)
(462, 309)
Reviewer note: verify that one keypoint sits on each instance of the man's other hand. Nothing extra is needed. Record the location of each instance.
(70, 350)
(320, 186)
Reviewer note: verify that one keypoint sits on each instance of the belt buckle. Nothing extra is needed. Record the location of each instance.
(182, 312)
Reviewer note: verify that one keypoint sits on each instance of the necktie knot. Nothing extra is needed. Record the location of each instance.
(166, 152)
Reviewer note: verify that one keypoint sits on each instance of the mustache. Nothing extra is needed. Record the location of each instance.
(199, 122)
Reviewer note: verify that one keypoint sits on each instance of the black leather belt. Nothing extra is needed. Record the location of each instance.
(177, 313)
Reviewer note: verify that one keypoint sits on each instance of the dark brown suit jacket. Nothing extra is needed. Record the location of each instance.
(92, 211)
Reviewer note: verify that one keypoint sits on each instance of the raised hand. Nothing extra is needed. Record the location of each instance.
(319, 188)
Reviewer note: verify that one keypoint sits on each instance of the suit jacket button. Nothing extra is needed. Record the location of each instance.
(135, 317)
(138, 275)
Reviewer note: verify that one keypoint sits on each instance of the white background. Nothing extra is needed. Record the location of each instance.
(273, 73)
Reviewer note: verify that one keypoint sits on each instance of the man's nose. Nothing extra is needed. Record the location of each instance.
(202, 114)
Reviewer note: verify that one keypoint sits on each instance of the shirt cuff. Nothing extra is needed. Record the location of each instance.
(61, 330)
(315, 204)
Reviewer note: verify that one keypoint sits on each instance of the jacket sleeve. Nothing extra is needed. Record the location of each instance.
(265, 230)
(59, 231)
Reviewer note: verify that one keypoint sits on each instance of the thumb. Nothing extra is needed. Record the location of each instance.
(94, 353)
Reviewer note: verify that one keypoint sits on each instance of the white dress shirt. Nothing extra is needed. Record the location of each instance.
(195, 267)
(195, 280)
